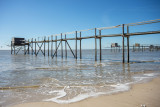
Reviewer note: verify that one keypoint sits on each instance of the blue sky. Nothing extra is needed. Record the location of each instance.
(38, 18)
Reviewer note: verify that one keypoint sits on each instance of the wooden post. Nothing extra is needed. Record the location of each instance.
(56, 49)
(128, 44)
(14, 50)
(44, 45)
(100, 48)
(76, 45)
(35, 48)
(48, 46)
(28, 46)
(80, 47)
(56, 45)
(123, 57)
(24, 49)
(142, 48)
(95, 46)
(32, 46)
(71, 50)
(65, 46)
(61, 47)
(51, 45)
(11, 47)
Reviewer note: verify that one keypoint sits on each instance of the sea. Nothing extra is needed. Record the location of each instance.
(30, 78)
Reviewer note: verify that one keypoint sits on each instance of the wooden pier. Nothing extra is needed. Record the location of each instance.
(32, 44)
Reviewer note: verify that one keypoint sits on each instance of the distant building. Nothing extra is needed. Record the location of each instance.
(137, 45)
(151, 46)
(114, 45)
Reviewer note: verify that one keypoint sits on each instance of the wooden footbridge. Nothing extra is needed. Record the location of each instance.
(20, 43)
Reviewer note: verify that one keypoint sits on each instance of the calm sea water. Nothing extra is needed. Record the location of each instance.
(69, 80)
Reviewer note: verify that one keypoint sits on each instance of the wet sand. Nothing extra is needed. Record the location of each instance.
(147, 94)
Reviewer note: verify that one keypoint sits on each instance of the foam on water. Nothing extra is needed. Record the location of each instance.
(82, 96)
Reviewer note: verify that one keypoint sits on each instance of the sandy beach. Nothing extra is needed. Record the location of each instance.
(147, 94)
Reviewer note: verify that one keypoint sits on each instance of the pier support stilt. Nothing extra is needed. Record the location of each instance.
(95, 45)
(76, 45)
(11, 47)
(28, 46)
(128, 54)
(48, 46)
(61, 47)
(65, 47)
(100, 47)
(32, 46)
(123, 57)
(24, 49)
(44, 45)
(51, 45)
(56, 45)
(35, 49)
(80, 46)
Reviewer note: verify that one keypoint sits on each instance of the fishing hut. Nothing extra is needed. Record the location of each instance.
(115, 46)
(18, 44)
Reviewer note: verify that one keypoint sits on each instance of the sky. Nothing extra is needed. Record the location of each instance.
(39, 18)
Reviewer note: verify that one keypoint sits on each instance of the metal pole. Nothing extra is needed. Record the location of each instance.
(123, 43)
(48, 46)
(95, 46)
(76, 45)
(100, 47)
(44, 45)
(128, 44)
(65, 46)
(35, 48)
(80, 47)
(61, 47)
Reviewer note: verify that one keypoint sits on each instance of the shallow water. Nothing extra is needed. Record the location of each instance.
(68, 80)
